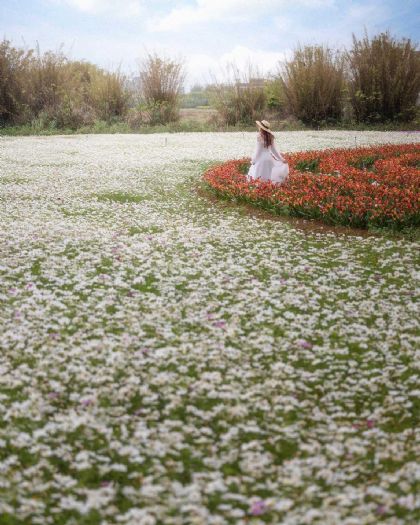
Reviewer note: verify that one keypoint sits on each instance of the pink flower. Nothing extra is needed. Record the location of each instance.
(305, 344)
(219, 324)
(258, 508)
(53, 395)
(370, 423)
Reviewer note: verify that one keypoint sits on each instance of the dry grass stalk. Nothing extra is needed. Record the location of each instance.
(239, 98)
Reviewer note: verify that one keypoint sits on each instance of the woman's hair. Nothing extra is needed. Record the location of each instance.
(267, 137)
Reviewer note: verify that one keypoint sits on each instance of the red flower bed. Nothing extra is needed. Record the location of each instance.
(374, 186)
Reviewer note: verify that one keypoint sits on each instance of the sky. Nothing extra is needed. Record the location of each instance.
(205, 34)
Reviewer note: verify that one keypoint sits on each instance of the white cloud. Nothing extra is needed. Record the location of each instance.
(120, 8)
(367, 12)
(282, 23)
(219, 10)
(202, 67)
(265, 61)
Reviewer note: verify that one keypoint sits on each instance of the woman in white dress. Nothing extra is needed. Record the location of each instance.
(267, 163)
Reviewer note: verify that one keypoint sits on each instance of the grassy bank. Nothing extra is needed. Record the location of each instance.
(195, 121)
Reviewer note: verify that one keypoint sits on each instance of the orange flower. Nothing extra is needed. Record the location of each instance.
(377, 185)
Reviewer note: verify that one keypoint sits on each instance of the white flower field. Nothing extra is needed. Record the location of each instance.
(167, 359)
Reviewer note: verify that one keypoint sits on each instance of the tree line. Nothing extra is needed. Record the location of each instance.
(377, 80)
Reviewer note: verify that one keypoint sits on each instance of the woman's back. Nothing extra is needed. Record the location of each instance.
(266, 156)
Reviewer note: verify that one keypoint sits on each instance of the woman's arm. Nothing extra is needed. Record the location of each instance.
(276, 154)
(258, 150)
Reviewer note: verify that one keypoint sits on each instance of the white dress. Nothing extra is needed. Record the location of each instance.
(268, 163)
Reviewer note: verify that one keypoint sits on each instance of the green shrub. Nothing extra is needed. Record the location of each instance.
(313, 82)
(161, 81)
(365, 163)
(276, 97)
(384, 78)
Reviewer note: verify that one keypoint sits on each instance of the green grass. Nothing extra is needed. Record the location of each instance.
(365, 163)
(121, 197)
(308, 165)
(13, 180)
(193, 126)
(137, 230)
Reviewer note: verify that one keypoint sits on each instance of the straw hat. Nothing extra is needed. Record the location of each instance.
(264, 125)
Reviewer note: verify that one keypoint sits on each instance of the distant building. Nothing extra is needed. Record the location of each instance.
(254, 83)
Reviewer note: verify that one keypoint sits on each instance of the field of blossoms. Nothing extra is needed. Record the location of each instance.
(167, 359)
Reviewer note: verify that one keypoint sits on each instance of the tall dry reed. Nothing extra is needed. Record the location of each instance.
(14, 65)
(48, 89)
(161, 83)
(384, 78)
(313, 81)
